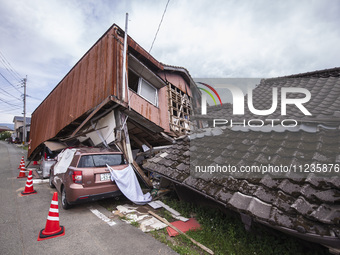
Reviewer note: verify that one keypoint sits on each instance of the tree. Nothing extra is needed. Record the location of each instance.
(4, 135)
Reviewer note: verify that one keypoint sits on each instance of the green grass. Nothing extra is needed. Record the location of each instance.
(135, 224)
(179, 244)
(225, 234)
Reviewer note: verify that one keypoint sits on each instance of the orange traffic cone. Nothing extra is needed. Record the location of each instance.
(22, 173)
(29, 186)
(35, 163)
(22, 162)
(52, 228)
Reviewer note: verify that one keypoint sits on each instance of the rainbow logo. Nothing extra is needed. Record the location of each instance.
(209, 93)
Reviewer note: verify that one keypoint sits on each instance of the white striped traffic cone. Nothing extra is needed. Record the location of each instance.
(22, 173)
(52, 228)
(29, 185)
(22, 162)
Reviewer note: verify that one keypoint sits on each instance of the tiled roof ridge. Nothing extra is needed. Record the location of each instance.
(331, 72)
(216, 131)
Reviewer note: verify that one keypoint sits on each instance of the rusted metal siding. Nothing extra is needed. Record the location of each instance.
(156, 114)
(94, 78)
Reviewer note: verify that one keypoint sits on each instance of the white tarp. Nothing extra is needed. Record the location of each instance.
(128, 184)
(64, 161)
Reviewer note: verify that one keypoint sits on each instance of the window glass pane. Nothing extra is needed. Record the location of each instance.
(133, 80)
(101, 160)
(86, 161)
(148, 92)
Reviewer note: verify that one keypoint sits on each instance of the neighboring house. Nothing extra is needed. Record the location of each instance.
(18, 127)
(304, 203)
(90, 105)
(5, 128)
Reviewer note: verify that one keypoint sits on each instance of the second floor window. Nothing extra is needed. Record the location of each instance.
(143, 88)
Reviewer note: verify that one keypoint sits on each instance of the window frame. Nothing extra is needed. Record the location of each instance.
(80, 164)
(139, 90)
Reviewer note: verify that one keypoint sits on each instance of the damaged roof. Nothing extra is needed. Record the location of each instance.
(301, 202)
(307, 206)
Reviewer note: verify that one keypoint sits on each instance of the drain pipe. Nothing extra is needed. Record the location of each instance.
(124, 56)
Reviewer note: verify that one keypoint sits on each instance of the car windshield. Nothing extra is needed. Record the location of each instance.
(101, 160)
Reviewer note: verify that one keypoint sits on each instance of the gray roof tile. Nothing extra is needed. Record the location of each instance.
(326, 214)
(259, 208)
(240, 201)
(302, 206)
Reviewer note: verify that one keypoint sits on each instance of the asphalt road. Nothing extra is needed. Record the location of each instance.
(22, 218)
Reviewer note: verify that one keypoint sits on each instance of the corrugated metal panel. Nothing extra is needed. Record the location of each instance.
(95, 77)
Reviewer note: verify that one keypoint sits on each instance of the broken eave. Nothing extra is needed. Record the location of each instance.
(143, 55)
(145, 72)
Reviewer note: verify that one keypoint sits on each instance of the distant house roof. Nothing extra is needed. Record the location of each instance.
(4, 128)
(306, 205)
(21, 118)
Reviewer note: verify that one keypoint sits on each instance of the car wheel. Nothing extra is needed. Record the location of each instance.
(64, 202)
(50, 181)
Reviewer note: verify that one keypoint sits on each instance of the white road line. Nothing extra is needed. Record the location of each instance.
(102, 217)
(38, 181)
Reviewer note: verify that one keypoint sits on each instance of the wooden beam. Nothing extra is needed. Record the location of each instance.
(82, 134)
(166, 137)
(145, 130)
(98, 107)
(142, 174)
(146, 142)
(127, 150)
(139, 142)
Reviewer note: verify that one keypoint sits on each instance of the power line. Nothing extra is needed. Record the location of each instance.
(159, 26)
(9, 67)
(13, 105)
(33, 97)
(10, 94)
(10, 82)
(10, 102)
(11, 109)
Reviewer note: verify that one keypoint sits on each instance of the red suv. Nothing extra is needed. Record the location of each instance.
(81, 174)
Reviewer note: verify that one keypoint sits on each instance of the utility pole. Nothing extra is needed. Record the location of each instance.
(24, 127)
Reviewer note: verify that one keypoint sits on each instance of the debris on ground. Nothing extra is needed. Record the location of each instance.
(191, 224)
(138, 215)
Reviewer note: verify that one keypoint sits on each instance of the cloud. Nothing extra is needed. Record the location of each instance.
(249, 38)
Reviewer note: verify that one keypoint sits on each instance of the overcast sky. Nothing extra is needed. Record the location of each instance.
(43, 39)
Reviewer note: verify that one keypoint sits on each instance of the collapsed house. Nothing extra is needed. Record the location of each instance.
(303, 201)
(102, 102)
(91, 106)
